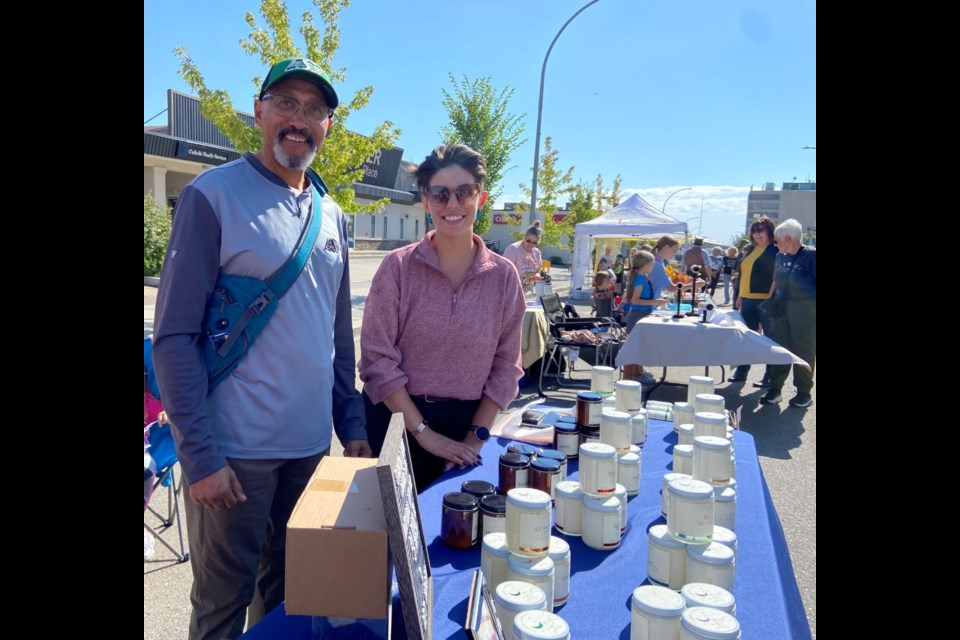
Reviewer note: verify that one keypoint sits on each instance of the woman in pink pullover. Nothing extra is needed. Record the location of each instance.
(440, 341)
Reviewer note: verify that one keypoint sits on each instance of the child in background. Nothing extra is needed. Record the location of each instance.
(639, 304)
(603, 290)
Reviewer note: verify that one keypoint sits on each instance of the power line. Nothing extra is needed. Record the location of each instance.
(161, 113)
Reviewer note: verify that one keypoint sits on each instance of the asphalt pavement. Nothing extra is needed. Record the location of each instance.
(786, 440)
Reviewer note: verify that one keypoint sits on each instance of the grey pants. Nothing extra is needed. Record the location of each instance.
(238, 555)
(797, 331)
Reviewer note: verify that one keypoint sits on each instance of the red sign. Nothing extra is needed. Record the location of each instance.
(504, 218)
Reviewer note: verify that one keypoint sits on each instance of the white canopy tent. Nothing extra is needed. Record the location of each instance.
(633, 218)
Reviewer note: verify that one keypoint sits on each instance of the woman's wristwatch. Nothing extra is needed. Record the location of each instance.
(480, 432)
(419, 428)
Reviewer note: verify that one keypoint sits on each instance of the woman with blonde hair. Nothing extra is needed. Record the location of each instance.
(640, 302)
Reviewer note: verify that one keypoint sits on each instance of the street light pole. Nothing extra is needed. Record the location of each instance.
(536, 149)
(663, 209)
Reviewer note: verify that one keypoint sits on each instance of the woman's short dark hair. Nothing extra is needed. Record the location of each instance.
(533, 230)
(665, 241)
(763, 223)
(445, 156)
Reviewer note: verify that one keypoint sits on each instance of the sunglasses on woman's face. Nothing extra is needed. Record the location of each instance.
(440, 196)
(531, 241)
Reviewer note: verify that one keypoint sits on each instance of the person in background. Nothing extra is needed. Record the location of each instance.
(640, 302)
(755, 277)
(603, 291)
(697, 257)
(618, 272)
(716, 264)
(249, 448)
(440, 342)
(726, 272)
(525, 256)
(665, 249)
(795, 289)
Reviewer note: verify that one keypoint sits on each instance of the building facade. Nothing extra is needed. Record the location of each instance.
(796, 200)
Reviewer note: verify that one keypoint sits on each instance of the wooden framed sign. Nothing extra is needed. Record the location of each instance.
(482, 622)
(405, 531)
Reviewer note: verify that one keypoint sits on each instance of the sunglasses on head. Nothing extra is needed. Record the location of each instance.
(440, 196)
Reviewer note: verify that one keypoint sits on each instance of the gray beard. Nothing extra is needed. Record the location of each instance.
(296, 163)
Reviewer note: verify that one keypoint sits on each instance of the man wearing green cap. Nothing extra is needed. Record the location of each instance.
(249, 447)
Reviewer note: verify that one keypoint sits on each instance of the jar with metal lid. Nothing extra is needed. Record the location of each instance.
(616, 429)
(566, 438)
(512, 597)
(598, 469)
(569, 507)
(589, 404)
(666, 558)
(602, 379)
(559, 552)
(478, 488)
(493, 559)
(629, 395)
(712, 563)
(711, 460)
(690, 515)
(544, 473)
(683, 459)
(535, 571)
(725, 507)
(540, 625)
(664, 493)
(493, 515)
(697, 385)
(724, 536)
(685, 434)
(601, 522)
(460, 521)
(560, 457)
(589, 434)
(620, 493)
(528, 522)
(709, 403)
(710, 423)
(523, 449)
(701, 594)
(628, 472)
(703, 623)
(683, 413)
(639, 426)
(514, 472)
(655, 613)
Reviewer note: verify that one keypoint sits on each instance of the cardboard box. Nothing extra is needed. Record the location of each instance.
(337, 550)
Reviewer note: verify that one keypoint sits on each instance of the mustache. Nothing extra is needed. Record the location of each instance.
(305, 133)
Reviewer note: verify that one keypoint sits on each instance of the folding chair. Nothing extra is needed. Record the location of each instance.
(165, 455)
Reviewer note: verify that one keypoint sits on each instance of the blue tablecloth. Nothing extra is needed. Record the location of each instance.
(768, 601)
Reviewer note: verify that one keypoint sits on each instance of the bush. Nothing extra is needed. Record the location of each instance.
(156, 234)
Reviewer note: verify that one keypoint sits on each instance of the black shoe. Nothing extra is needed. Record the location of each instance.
(763, 384)
(771, 397)
(801, 400)
(737, 379)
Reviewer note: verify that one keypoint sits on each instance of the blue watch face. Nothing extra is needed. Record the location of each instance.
(482, 433)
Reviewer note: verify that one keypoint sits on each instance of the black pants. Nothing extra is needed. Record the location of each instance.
(451, 418)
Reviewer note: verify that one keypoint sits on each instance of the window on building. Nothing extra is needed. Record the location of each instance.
(373, 226)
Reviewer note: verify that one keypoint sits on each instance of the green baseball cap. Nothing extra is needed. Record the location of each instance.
(305, 69)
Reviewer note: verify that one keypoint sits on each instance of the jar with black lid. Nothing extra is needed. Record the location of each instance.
(513, 473)
(478, 488)
(459, 526)
(493, 515)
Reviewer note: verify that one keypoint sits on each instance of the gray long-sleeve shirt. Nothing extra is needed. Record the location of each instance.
(297, 380)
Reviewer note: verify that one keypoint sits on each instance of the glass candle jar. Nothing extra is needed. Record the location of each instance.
(639, 422)
(664, 493)
(709, 423)
(544, 473)
(540, 625)
(655, 613)
(685, 434)
(701, 594)
(598, 469)
(697, 385)
(609, 402)
(709, 402)
(493, 559)
(712, 563)
(559, 552)
(616, 429)
(666, 558)
(512, 597)
(628, 472)
(566, 438)
(460, 521)
(683, 459)
(569, 507)
(560, 457)
(601, 379)
(514, 472)
(629, 395)
(528, 522)
(589, 434)
(536, 571)
(478, 488)
(690, 515)
(725, 507)
(493, 515)
(523, 449)
(589, 404)
(601, 522)
(726, 537)
(703, 623)
(711, 460)
(683, 413)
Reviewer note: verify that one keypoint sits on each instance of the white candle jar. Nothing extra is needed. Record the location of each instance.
(616, 429)
(559, 552)
(666, 558)
(708, 402)
(628, 472)
(664, 493)
(711, 460)
(640, 426)
(512, 597)
(655, 613)
(708, 423)
(493, 559)
(629, 395)
(568, 517)
(528, 522)
(726, 537)
(601, 522)
(540, 625)
(683, 459)
(683, 413)
(620, 493)
(602, 379)
(566, 438)
(685, 434)
(701, 594)
(690, 515)
(598, 469)
(697, 385)
(535, 571)
(703, 623)
(712, 563)
(725, 507)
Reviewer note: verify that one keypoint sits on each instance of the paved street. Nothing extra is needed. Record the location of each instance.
(786, 441)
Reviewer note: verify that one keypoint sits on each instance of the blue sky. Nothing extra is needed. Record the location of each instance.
(717, 95)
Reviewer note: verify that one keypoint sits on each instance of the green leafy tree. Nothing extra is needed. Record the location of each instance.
(613, 198)
(340, 160)
(156, 234)
(738, 238)
(606, 200)
(480, 118)
(581, 208)
(553, 183)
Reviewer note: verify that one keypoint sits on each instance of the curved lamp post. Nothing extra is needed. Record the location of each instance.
(663, 209)
(536, 149)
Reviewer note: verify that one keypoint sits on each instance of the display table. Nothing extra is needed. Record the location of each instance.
(533, 338)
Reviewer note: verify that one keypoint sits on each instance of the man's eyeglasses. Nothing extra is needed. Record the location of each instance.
(440, 196)
(287, 107)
